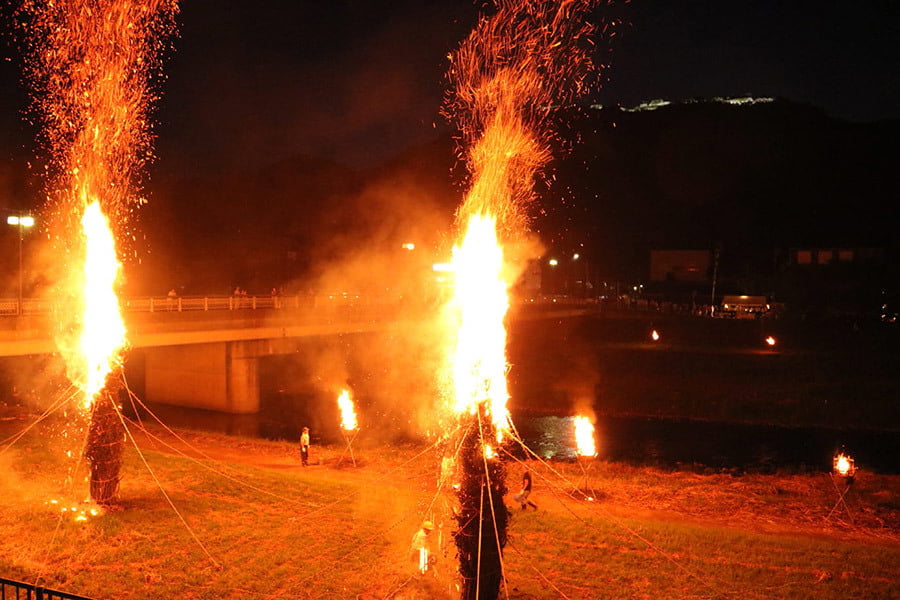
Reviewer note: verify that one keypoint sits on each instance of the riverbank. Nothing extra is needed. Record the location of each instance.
(262, 526)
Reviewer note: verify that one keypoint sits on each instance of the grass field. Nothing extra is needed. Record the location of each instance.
(252, 523)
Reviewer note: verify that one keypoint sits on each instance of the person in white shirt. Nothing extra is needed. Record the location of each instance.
(304, 446)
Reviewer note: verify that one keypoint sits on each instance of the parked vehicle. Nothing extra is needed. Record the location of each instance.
(743, 307)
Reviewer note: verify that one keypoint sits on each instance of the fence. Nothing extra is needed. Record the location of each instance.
(16, 590)
(40, 306)
(10, 307)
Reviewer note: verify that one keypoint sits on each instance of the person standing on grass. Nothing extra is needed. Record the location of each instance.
(522, 497)
(304, 446)
(422, 553)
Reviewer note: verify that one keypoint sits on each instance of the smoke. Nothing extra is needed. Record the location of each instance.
(32, 383)
(373, 271)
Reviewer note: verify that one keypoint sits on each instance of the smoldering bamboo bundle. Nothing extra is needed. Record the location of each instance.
(105, 443)
(483, 517)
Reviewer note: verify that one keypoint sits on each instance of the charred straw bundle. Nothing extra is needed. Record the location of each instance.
(105, 442)
(483, 517)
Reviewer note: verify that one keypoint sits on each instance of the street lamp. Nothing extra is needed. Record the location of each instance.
(21, 222)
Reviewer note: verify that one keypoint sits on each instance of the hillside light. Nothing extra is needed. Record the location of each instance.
(22, 222)
(553, 262)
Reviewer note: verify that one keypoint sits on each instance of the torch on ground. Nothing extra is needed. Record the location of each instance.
(586, 448)
(349, 425)
(844, 468)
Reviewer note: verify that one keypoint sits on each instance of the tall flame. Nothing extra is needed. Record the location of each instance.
(480, 302)
(91, 63)
(507, 75)
(584, 437)
(348, 412)
(103, 330)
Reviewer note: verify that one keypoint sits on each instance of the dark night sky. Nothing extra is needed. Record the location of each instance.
(251, 82)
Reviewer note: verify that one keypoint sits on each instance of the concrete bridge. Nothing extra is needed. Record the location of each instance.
(204, 352)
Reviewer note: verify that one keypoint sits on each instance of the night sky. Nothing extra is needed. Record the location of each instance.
(250, 83)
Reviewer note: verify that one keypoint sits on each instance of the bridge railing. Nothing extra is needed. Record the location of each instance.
(37, 306)
(323, 303)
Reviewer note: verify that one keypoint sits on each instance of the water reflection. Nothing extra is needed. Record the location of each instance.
(638, 441)
(548, 437)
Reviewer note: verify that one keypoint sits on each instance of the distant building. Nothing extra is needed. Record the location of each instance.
(680, 266)
(823, 257)
(834, 281)
(531, 279)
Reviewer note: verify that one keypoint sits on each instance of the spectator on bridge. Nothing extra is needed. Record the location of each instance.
(171, 297)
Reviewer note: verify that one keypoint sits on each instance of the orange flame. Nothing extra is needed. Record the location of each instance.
(527, 57)
(844, 465)
(584, 437)
(480, 304)
(770, 340)
(654, 335)
(489, 452)
(348, 412)
(102, 328)
(90, 63)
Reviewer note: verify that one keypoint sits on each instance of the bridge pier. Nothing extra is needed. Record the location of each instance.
(220, 376)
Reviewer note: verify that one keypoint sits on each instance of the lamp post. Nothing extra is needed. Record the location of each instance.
(20, 221)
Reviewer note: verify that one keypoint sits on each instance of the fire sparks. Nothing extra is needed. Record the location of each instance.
(584, 437)
(519, 62)
(90, 63)
(348, 411)
(79, 513)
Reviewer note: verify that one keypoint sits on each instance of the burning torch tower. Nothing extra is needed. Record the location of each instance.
(518, 63)
(90, 63)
